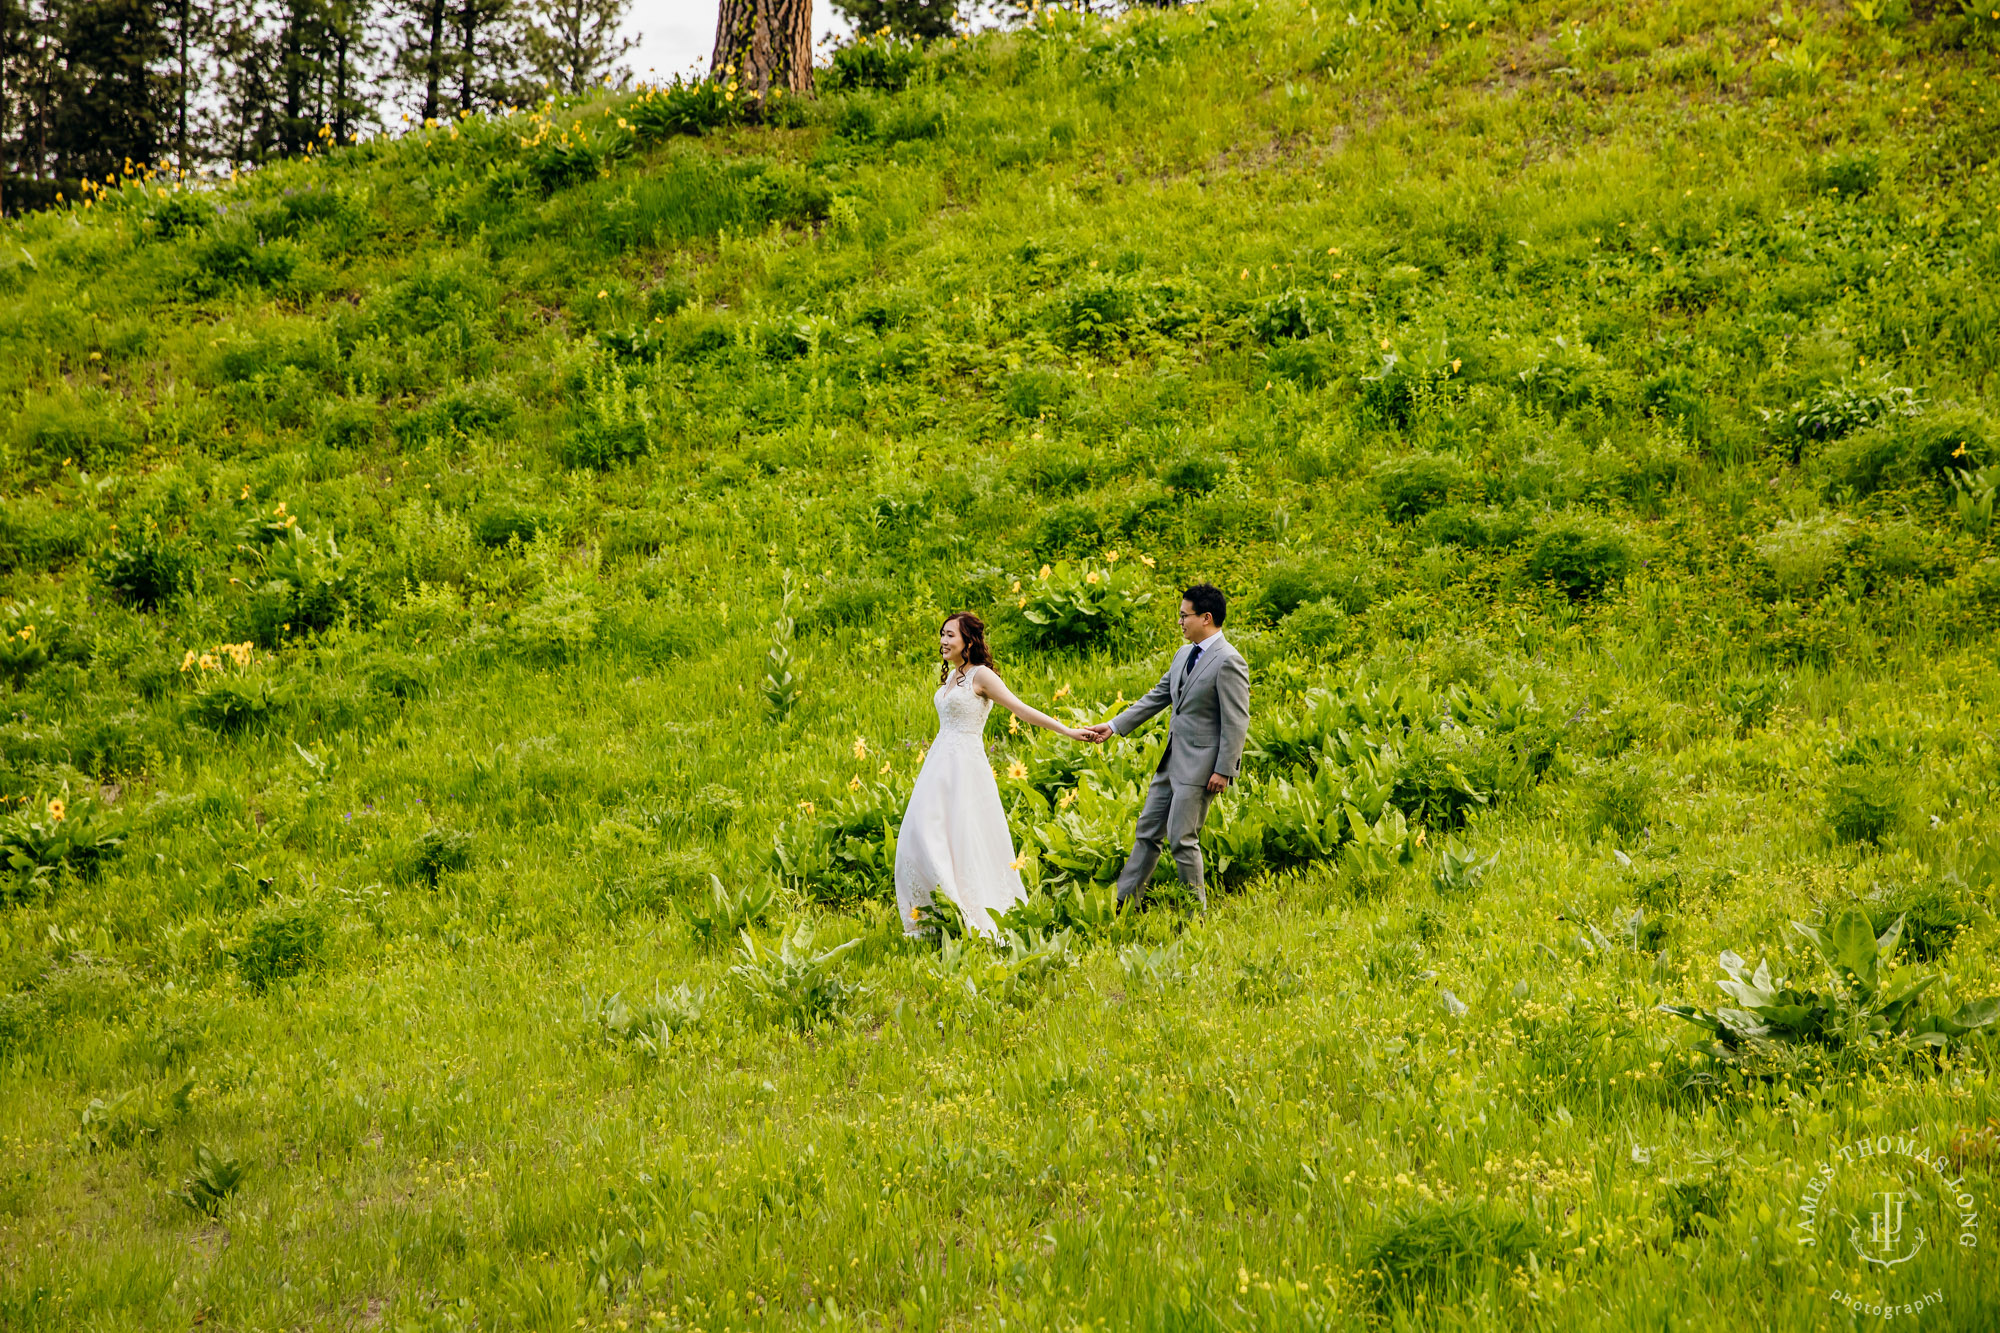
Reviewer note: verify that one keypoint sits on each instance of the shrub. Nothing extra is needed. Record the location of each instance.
(437, 852)
(727, 914)
(1862, 1006)
(307, 585)
(649, 1025)
(1072, 608)
(227, 705)
(886, 61)
(285, 941)
(1838, 410)
(1849, 175)
(1903, 450)
(1309, 363)
(1293, 314)
(1749, 701)
(214, 1178)
(71, 434)
(502, 521)
(558, 625)
(1692, 1206)
(795, 984)
(1195, 474)
(239, 257)
(858, 601)
(1412, 487)
(1438, 1255)
(1620, 798)
(149, 571)
(1475, 527)
(1863, 802)
(1322, 629)
(34, 843)
(26, 631)
(1290, 585)
(1056, 468)
(614, 420)
(1033, 392)
(1932, 914)
(1580, 557)
(691, 106)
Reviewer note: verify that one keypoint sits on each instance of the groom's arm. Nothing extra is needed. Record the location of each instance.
(1146, 705)
(1232, 701)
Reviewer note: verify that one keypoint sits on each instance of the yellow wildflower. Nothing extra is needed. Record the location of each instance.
(1062, 690)
(854, 783)
(884, 770)
(1111, 557)
(1017, 770)
(1021, 605)
(208, 662)
(1018, 862)
(57, 810)
(1066, 800)
(860, 747)
(806, 806)
(913, 914)
(189, 660)
(1146, 560)
(27, 633)
(1091, 577)
(280, 510)
(1017, 582)
(1044, 574)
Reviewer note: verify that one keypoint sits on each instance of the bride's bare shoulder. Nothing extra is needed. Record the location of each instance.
(985, 679)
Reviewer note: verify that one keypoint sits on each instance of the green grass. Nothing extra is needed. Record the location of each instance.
(1585, 409)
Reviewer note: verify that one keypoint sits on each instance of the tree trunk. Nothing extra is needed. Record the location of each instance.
(434, 63)
(764, 44)
(340, 42)
(181, 90)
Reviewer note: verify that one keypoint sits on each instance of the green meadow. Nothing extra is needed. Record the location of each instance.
(470, 602)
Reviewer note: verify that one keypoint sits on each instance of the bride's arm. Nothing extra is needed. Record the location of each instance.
(987, 681)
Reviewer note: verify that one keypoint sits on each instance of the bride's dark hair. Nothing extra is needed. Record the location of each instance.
(973, 630)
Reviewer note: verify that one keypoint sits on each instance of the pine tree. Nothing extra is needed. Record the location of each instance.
(421, 57)
(920, 20)
(577, 44)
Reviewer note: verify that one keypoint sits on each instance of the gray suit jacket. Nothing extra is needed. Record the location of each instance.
(1211, 713)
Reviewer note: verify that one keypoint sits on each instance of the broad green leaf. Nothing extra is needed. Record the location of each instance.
(1853, 940)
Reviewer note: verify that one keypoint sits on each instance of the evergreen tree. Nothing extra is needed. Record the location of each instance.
(577, 44)
(421, 56)
(920, 20)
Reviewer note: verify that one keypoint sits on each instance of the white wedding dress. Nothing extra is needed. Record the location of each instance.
(954, 838)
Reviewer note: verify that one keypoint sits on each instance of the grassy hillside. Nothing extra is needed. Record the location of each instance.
(470, 605)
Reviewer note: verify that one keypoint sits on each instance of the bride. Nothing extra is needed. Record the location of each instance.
(954, 839)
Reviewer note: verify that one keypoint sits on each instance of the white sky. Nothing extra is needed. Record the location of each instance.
(676, 36)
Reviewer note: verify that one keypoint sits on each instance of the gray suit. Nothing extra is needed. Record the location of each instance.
(1211, 721)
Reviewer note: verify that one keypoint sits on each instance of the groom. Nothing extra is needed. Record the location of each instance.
(1208, 686)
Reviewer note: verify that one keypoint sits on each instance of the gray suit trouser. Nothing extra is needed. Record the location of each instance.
(1172, 816)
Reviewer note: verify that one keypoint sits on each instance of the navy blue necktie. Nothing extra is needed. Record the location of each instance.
(1188, 670)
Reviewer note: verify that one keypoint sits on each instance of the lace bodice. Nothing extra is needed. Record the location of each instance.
(961, 710)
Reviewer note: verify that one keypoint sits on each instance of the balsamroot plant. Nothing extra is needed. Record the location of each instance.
(728, 913)
(795, 984)
(1076, 607)
(1861, 1009)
